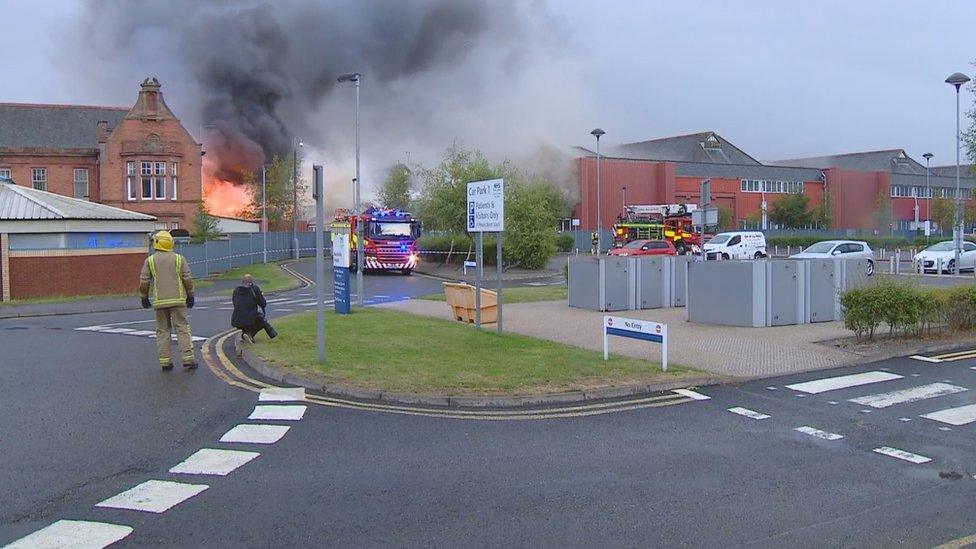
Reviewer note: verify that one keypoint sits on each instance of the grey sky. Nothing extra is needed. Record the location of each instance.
(779, 79)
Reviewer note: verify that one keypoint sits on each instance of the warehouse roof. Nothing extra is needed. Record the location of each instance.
(29, 126)
(707, 147)
(746, 171)
(888, 160)
(23, 203)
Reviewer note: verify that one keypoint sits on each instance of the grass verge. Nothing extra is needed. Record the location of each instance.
(524, 294)
(269, 276)
(399, 352)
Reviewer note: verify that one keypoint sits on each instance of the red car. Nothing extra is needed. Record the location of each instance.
(645, 247)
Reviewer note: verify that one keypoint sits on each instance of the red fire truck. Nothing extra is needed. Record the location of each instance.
(390, 238)
(670, 222)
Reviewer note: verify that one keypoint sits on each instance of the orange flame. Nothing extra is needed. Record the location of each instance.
(223, 198)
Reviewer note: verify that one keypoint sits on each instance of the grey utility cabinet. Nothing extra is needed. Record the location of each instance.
(605, 283)
(653, 282)
(785, 293)
(731, 293)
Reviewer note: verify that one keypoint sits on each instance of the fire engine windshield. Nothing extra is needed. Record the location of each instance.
(380, 228)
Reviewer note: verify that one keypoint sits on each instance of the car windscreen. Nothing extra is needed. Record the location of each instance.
(820, 248)
(941, 247)
(379, 228)
(657, 245)
(720, 239)
(634, 245)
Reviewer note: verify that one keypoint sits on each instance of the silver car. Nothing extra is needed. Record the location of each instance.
(839, 249)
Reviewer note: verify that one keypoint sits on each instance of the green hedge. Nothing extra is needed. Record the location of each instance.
(438, 243)
(876, 242)
(908, 308)
(565, 242)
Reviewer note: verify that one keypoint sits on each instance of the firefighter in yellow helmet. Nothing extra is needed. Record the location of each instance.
(166, 277)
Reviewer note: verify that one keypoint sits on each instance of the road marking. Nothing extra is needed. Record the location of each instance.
(280, 299)
(209, 461)
(282, 394)
(73, 533)
(153, 496)
(748, 413)
(199, 308)
(151, 320)
(913, 394)
(954, 416)
(958, 355)
(283, 310)
(692, 394)
(130, 332)
(90, 328)
(255, 434)
(116, 330)
(842, 382)
(283, 413)
(905, 419)
(959, 543)
(773, 388)
(142, 333)
(818, 433)
(926, 359)
(901, 454)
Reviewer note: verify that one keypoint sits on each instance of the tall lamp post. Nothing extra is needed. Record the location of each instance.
(599, 204)
(264, 214)
(928, 198)
(957, 80)
(623, 202)
(294, 190)
(356, 77)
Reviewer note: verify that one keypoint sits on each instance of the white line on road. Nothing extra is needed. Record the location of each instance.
(901, 454)
(748, 413)
(954, 416)
(125, 323)
(255, 434)
(692, 394)
(282, 413)
(73, 533)
(153, 496)
(818, 433)
(209, 461)
(842, 382)
(282, 394)
(913, 394)
(926, 358)
(116, 330)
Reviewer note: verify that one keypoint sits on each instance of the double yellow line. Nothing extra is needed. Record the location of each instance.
(225, 370)
(948, 357)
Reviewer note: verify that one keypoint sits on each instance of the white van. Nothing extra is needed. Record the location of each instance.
(736, 245)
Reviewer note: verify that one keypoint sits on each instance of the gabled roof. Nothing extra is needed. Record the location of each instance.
(707, 147)
(888, 160)
(29, 126)
(950, 170)
(23, 203)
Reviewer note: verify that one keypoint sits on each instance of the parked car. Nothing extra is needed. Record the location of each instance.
(645, 247)
(927, 259)
(736, 245)
(839, 249)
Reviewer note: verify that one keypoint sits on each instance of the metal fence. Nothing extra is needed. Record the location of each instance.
(238, 250)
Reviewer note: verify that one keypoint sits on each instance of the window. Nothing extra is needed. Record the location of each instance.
(854, 248)
(159, 181)
(969, 247)
(81, 182)
(734, 240)
(175, 181)
(39, 178)
(147, 180)
(174, 225)
(130, 180)
(4, 173)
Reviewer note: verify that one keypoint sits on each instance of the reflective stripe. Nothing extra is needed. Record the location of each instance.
(163, 303)
(152, 273)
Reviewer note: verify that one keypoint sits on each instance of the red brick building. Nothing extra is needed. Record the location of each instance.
(670, 170)
(137, 158)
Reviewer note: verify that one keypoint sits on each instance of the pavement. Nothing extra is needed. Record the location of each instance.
(98, 445)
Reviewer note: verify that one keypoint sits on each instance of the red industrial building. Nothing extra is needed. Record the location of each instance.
(670, 170)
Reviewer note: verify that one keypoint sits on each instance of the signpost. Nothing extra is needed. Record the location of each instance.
(576, 242)
(486, 213)
(635, 329)
(319, 260)
(341, 260)
(704, 202)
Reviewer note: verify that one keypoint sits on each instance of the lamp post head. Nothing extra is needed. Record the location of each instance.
(927, 156)
(597, 133)
(957, 79)
(350, 77)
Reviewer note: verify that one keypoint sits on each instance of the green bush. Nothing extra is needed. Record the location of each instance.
(565, 242)
(908, 308)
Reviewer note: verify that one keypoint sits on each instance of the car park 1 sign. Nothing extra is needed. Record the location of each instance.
(654, 332)
(486, 206)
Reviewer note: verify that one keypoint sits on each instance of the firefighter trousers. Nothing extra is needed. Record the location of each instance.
(169, 320)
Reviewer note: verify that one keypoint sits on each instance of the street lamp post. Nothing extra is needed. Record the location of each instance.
(599, 204)
(264, 214)
(623, 202)
(356, 77)
(294, 189)
(957, 80)
(928, 198)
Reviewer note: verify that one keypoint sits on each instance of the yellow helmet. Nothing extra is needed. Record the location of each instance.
(163, 241)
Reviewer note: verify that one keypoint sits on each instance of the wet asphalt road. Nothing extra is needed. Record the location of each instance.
(87, 415)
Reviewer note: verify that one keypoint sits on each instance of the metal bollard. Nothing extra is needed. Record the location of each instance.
(776, 250)
(891, 264)
(938, 266)
(897, 261)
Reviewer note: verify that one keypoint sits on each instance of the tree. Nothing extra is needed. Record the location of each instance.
(791, 211)
(726, 218)
(969, 134)
(530, 236)
(394, 192)
(205, 224)
(820, 215)
(279, 195)
(943, 212)
(882, 212)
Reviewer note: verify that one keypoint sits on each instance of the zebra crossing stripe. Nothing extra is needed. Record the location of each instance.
(280, 413)
(913, 394)
(902, 455)
(926, 358)
(209, 461)
(74, 533)
(818, 433)
(954, 416)
(255, 434)
(748, 413)
(153, 496)
(842, 382)
(692, 394)
(282, 394)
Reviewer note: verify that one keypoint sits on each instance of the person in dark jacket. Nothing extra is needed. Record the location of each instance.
(249, 311)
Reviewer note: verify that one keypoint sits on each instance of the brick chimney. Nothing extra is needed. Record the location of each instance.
(150, 105)
(103, 131)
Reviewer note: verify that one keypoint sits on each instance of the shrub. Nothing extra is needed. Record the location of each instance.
(908, 308)
(565, 242)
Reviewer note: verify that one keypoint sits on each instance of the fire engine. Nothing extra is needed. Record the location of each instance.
(658, 222)
(390, 238)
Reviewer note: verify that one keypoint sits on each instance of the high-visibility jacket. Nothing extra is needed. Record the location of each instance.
(166, 279)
